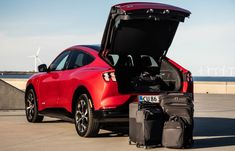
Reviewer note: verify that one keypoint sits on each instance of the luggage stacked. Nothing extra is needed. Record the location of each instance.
(168, 123)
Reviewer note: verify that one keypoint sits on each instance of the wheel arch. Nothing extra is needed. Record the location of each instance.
(80, 90)
(30, 86)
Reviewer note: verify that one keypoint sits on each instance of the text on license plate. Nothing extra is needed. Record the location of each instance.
(149, 98)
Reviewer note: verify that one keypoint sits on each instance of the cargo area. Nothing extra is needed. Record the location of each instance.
(145, 74)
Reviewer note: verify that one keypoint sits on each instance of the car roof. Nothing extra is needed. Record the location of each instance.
(91, 49)
(96, 47)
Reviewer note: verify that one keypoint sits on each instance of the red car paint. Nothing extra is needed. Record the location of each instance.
(56, 89)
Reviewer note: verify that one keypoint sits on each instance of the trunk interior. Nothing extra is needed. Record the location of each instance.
(137, 52)
(145, 74)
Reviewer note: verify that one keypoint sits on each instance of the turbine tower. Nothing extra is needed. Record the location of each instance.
(36, 59)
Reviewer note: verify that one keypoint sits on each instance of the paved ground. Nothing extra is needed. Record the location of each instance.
(214, 130)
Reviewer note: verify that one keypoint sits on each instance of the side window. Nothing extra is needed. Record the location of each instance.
(87, 59)
(148, 61)
(80, 59)
(113, 58)
(60, 62)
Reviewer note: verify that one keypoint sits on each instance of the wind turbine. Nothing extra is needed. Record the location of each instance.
(212, 71)
(231, 70)
(201, 71)
(36, 59)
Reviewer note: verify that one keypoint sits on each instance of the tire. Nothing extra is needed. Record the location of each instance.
(31, 107)
(85, 123)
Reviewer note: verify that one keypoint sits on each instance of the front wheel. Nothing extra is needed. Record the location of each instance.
(31, 108)
(85, 123)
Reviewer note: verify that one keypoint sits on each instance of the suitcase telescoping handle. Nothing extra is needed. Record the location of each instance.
(140, 104)
(174, 118)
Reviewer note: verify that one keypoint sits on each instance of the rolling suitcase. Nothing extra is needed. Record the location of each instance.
(180, 105)
(145, 124)
(149, 125)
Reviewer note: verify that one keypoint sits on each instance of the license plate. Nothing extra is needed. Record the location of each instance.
(149, 98)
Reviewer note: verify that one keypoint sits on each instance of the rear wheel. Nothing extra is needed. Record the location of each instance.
(31, 108)
(85, 123)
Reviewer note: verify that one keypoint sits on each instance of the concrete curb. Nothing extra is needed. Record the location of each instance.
(10, 96)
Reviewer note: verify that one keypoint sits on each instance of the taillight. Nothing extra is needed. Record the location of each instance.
(109, 76)
(188, 77)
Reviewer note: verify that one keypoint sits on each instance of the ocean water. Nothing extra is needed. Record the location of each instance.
(195, 78)
(16, 76)
(214, 78)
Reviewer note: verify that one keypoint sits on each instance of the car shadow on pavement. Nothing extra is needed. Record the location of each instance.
(56, 121)
(112, 134)
(214, 132)
(116, 130)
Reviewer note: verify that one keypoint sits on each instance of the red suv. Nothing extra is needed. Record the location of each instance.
(94, 84)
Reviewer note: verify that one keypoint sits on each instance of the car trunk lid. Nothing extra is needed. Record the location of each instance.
(145, 28)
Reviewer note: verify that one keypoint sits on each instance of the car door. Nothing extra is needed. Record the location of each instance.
(70, 79)
(49, 85)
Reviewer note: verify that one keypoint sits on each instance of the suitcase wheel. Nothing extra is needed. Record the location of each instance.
(138, 145)
(189, 144)
(149, 147)
(129, 142)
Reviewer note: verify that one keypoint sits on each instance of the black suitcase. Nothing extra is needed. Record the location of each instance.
(146, 122)
(180, 105)
(173, 133)
(176, 98)
(133, 108)
(149, 126)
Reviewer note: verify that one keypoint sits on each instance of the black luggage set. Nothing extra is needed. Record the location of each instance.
(168, 123)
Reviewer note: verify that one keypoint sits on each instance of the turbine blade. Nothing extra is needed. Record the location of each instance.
(38, 51)
(39, 60)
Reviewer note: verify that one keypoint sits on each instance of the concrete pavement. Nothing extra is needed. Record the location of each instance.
(214, 130)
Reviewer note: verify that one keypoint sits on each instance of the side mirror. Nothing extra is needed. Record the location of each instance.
(42, 68)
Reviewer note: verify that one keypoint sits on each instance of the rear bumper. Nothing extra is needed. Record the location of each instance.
(111, 116)
(115, 115)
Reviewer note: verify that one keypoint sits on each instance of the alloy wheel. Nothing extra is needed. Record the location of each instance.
(81, 116)
(30, 105)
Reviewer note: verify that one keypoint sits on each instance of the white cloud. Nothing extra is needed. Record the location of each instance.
(193, 47)
(205, 45)
(14, 50)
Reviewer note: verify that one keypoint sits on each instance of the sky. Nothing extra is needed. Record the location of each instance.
(204, 43)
